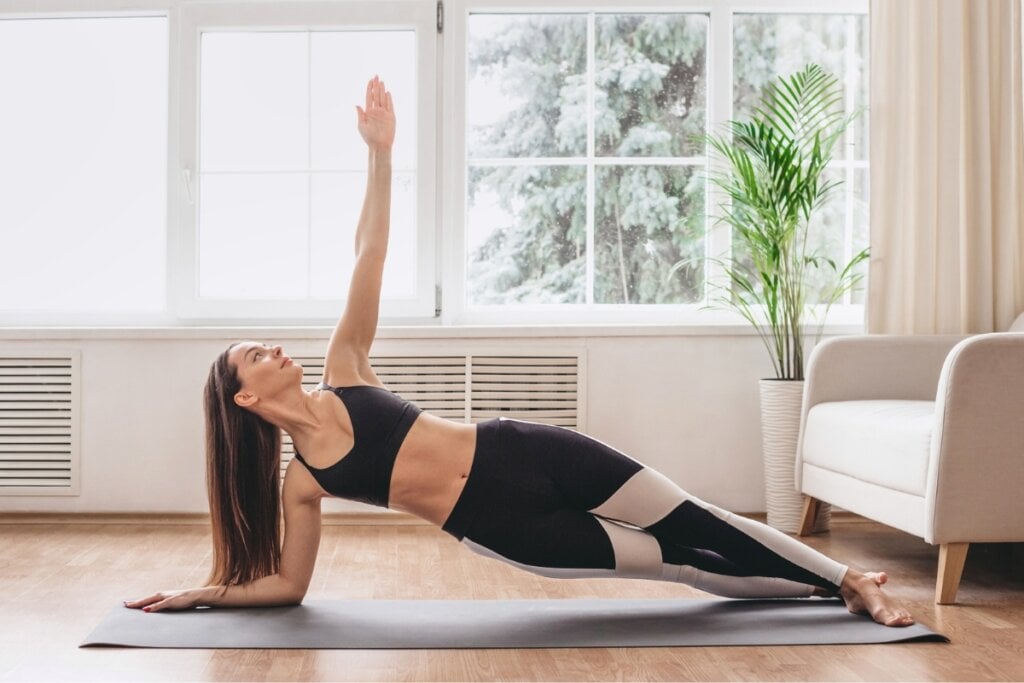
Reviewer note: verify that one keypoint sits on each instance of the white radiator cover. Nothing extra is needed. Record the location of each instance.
(39, 424)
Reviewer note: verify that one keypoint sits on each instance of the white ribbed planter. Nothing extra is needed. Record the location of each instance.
(781, 401)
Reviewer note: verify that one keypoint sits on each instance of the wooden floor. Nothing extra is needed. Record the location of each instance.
(58, 579)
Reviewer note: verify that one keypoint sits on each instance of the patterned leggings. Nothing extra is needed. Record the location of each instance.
(559, 503)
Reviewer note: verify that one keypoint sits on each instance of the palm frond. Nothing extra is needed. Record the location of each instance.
(772, 180)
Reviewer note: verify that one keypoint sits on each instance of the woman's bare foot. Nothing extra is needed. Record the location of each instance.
(863, 595)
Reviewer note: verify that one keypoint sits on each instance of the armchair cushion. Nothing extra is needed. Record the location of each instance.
(882, 442)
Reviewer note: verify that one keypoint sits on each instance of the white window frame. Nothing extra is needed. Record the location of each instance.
(283, 16)
(719, 82)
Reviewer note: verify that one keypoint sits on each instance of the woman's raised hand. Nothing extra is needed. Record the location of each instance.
(377, 120)
(170, 600)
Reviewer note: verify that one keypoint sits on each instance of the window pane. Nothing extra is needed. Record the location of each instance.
(332, 241)
(651, 84)
(339, 84)
(829, 236)
(253, 241)
(282, 159)
(770, 45)
(647, 219)
(527, 235)
(826, 237)
(255, 113)
(767, 46)
(83, 167)
(861, 237)
(861, 48)
(527, 91)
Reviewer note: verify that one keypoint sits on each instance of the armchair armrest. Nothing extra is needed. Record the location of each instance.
(976, 469)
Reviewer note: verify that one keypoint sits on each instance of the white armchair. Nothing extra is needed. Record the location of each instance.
(921, 433)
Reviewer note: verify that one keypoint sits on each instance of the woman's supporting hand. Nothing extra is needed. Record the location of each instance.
(377, 121)
(171, 600)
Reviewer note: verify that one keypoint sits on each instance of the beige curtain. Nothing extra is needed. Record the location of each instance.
(947, 167)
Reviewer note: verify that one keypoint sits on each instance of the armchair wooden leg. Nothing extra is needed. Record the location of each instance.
(951, 565)
(810, 514)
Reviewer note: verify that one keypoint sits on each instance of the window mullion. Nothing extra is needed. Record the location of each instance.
(851, 136)
(309, 164)
(720, 89)
(591, 78)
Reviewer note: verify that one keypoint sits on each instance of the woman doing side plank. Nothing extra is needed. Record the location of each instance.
(545, 499)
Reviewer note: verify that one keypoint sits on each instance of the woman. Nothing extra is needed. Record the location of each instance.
(543, 498)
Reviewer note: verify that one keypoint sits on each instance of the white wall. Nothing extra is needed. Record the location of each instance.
(685, 404)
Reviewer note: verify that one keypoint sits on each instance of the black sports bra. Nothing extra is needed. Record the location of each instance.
(380, 421)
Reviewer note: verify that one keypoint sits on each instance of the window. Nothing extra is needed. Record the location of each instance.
(83, 167)
(276, 167)
(584, 180)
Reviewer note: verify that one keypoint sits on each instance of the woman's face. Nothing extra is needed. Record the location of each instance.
(263, 370)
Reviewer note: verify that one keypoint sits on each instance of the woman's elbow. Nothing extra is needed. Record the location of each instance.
(293, 593)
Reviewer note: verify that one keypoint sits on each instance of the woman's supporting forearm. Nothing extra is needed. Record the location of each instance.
(269, 591)
(375, 219)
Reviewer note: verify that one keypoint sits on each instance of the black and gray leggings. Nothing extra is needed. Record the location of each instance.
(562, 504)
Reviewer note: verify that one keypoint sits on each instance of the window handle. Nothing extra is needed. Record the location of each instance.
(186, 177)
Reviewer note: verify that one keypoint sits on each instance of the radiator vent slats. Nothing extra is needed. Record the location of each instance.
(534, 388)
(39, 425)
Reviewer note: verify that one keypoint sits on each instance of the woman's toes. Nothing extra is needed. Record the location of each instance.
(901, 619)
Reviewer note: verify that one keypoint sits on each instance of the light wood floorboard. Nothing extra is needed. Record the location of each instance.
(58, 579)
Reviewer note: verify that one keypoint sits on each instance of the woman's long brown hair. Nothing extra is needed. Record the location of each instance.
(243, 460)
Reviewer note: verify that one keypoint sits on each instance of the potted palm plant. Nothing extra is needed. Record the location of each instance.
(771, 171)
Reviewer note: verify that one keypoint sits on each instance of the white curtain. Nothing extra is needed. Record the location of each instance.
(947, 167)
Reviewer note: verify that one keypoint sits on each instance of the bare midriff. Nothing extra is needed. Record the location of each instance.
(431, 468)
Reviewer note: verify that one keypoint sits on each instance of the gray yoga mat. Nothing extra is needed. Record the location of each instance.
(446, 624)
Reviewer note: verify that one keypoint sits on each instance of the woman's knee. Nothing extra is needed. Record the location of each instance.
(643, 500)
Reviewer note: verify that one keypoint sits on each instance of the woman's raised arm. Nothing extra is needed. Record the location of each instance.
(357, 327)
